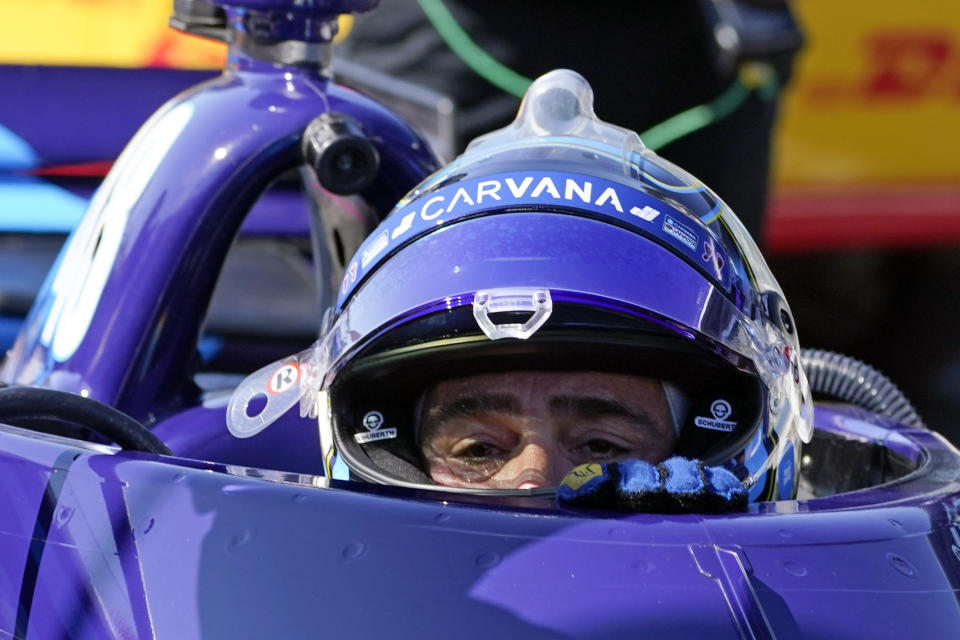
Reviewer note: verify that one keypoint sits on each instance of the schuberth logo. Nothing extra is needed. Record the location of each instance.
(721, 410)
(372, 421)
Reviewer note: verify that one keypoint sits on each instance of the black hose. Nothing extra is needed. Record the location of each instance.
(849, 380)
(25, 403)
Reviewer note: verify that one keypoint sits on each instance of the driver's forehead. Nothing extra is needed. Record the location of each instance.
(533, 390)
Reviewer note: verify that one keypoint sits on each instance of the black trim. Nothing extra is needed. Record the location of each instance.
(41, 529)
(22, 406)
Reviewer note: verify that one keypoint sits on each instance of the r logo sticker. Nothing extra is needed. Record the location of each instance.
(284, 378)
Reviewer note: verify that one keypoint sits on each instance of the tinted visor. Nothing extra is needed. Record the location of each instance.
(387, 381)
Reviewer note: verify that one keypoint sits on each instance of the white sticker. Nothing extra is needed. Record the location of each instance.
(349, 277)
(710, 254)
(405, 223)
(680, 231)
(280, 383)
(284, 378)
(372, 421)
(371, 436)
(375, 248)
(648, 213)
(720, 409)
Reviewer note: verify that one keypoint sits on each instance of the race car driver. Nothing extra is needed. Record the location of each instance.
(558, 295)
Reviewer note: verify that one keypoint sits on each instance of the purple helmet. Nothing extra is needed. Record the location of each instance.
(558, 243)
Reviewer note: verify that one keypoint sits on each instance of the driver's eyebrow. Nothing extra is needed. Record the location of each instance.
(592, 407)
(471, 406)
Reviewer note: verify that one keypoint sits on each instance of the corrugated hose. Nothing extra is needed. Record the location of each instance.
(849, 380)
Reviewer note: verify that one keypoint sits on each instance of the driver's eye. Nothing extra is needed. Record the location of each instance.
(602, 448)
(476, 451)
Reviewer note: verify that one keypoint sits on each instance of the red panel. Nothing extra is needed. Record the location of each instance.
(907, 217)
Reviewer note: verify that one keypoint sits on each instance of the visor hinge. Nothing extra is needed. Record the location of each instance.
(535, 301)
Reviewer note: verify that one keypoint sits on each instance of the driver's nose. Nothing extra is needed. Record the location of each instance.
(536, 465)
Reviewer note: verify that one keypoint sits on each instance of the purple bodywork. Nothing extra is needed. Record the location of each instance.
(101, 543)
(243, 132)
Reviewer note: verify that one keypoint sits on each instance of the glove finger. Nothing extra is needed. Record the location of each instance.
(728, 492)
(640, 487)
(685, 487)
(683, 476)
(637, 476)
(588, 485)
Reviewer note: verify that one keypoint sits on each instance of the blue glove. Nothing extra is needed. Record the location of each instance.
(676, 485)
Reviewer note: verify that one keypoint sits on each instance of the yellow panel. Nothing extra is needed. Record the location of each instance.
(876, 95)
(109, 33)
(118, 33)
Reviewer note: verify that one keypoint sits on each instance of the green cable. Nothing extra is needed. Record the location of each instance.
(694, 118)
(482, 63)
(752, 77)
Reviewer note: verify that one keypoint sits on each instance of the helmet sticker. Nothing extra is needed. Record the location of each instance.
(284, 378)
(372, 421)
(374, 249)
(592, 195)
(680, 231)
(281, 385)
(405, 223)
(350, 277)
(720, 410)
(648, 213)
(710, 254)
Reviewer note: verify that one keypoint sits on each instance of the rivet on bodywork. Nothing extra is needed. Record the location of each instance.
(353, 550)
(486, 559)
(239, 539)
(901, 565)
